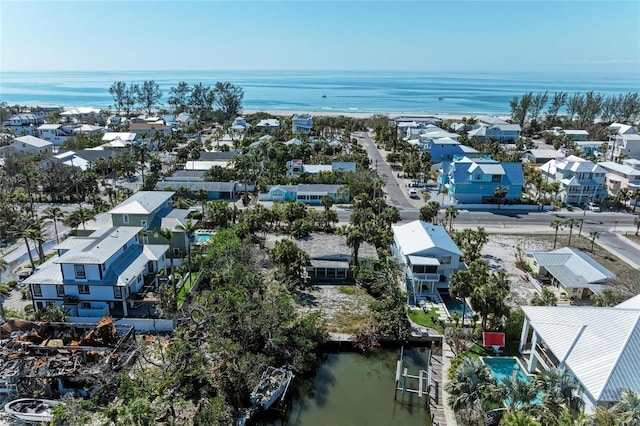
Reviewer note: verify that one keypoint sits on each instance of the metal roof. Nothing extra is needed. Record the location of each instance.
(573, 268)
(100, 246)
(33, 141)
(418, 236)
(601, 346)
(142, 202)
(318, 188)
(420, 260)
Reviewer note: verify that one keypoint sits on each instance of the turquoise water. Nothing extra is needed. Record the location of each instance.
(353, 389)
(331, 91)
(202, 238)
(505, 367)
(455, 305)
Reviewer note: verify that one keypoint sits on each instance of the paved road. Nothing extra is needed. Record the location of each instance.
(396, 196)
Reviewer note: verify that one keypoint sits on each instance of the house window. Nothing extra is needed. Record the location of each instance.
(83, 289)
(60, 290)
(125, 218)
(446, 260)
(117, 292)
(37, 290)
(143, 224)
(85, 305)
(80, 272)
(478, 177)
(176, 251)
(496, 178)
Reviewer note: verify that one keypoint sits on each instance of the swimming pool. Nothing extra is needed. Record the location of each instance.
(202, 237)
(455, 305)
(503, 367)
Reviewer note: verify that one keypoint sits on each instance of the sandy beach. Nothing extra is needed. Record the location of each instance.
(288, 113)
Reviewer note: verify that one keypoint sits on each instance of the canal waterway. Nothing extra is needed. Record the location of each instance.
(353, 389)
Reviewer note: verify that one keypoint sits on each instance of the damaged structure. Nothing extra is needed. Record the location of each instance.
(54, 359)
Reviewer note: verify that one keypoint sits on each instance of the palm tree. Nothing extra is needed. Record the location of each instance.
(636, 222)
(188, 228)
(499, 193)
(81, 216)
(594, 236)
(518, 418)
(4, 265)
(627, 409)
(35, 234)
(429, 212)
(472, 384)
(571, 223)
(556, 224)
(461, 287)
(355, 237)
(54, 213)
(451, 213)
(518, 394)
(558, 389)
(167, 234)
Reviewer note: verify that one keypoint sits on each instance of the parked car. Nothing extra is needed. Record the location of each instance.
(593, 207)
(413, 193)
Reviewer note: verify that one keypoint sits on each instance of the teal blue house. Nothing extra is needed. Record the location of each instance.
(309, 194)
(473, 181)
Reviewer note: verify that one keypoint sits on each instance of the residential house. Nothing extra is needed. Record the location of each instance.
(268, 124)
(302, 123)
(331, 257)
(406, 125)
(444, 149)
(109, 272)
(88, 130)
(597, 148)
(57, 134)
(215, 190)
(239, 125)
(295, 167)
(575, 135)
(25, 124)
(81, 158)
(623, 129)
(150, 129)
(473, 181)
(502, 133)
(598, 346)
(627, 145)
(541, 156)
(117, 140)
(488, 121)
(618, 176)
(306, 193)
(581, 180)
(185, 119)
(81, 114)
(31, 145)
(572, 273)
(428, 256)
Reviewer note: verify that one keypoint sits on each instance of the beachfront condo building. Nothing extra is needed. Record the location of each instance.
(581, 180)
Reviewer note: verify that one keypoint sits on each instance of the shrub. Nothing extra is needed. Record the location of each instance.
(12, 284)
(4, 289)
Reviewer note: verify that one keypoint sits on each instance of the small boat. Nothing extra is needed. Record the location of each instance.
(324, 96)
(441, 98)
(32, 410)
(272, 386)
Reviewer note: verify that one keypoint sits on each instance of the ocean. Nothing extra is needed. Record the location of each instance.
(323, 91)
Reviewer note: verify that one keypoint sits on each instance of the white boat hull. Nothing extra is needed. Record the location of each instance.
(32, 410)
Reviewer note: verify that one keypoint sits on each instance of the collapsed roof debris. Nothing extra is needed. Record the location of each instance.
(62, 358)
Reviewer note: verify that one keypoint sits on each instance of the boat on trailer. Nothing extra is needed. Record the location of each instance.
(32, 410)
(272, 386)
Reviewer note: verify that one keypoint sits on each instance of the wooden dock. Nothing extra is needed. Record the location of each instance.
(436, 404)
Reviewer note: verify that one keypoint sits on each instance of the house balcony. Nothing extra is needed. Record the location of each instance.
(425, 277)
(96, 309)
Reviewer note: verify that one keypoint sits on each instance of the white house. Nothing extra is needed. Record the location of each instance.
(57, 134)
(623, 129)
(627, 144)
(185, 119)
(239, 125)
(500, 132)
(109, 272)
(302, 123)
(625, 175)
(23, 124)
(597, 345)
(268, 124)
(429, 257)
(581, 180)
(119, 139)
(81, 114)
(32, 145)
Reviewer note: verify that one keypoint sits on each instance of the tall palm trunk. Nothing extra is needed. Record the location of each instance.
(33, 265)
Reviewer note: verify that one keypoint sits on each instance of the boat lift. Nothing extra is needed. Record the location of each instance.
(423, 377)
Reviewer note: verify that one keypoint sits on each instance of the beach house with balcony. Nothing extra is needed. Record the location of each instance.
(428, 256)
(110, 272)
(305, 193)
(581, 180)
(474, 180)
(501, 132)
(619, 176)
(627, 145)
(57, 134)
(268, 124)
(302, 123)
(598, 346)
(23, 124)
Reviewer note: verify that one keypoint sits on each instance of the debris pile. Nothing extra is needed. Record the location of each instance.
(61, 358)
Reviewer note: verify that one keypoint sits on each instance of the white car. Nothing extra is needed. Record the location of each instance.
(593, 207)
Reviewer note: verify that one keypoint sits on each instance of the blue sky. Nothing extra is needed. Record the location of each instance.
(320, 35)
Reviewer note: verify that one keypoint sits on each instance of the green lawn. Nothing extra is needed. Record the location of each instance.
(419, 317)
(185, 287)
